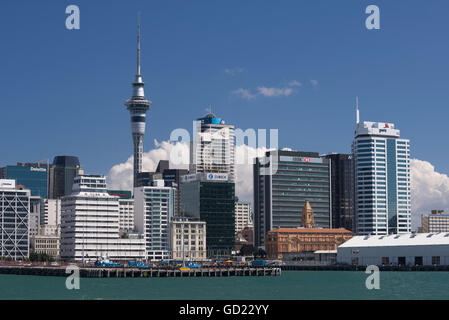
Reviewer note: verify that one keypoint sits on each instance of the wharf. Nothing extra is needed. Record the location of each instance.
(141, 273)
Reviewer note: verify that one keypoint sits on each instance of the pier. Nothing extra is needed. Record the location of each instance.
(143, 273)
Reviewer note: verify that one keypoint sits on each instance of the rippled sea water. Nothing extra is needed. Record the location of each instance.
(290, 285)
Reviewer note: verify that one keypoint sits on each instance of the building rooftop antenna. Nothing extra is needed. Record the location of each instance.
(357, 109)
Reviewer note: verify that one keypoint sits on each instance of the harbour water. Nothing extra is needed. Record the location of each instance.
(291, 285)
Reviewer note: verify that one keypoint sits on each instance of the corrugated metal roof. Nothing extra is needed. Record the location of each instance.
(405, 239)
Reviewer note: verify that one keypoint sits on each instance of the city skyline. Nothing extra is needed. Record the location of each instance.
(242, 91)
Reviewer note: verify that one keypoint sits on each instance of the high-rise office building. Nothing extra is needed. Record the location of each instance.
(283, 182)
(138, 105)
(382, 179)
(65, 169)
(213, 146)
(172, 178)
(32, 176)
(243, 216)
(50, 217)
(436, 222)
(126, 209)
(14, 220)
(342, 190)
(35, 216)
(90, 224)
(210, 197)
(153, 210)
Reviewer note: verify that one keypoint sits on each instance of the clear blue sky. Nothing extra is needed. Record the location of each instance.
(62, 92)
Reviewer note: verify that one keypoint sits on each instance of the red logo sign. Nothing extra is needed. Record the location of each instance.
(306, 159)
(386, 125)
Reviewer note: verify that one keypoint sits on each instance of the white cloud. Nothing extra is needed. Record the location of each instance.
(120, 176)
(314, 83)
(233, 71)
(295, 83)
(430, 189)
(274, 92)
(244, 93)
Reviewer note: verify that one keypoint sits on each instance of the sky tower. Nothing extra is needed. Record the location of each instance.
(138, 106)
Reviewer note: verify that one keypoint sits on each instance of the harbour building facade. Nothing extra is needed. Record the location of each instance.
(283, 182)
(382, 179)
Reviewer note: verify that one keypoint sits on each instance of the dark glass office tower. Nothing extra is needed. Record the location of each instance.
(66, 168)
(283, 182)
(342, 190)
(211, 201)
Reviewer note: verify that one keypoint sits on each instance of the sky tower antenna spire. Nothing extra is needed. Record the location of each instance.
(357, 109)
(138, 43)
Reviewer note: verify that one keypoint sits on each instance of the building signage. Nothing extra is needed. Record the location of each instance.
(300, 159)
(38, 169)
(7, 183)
(217, 176)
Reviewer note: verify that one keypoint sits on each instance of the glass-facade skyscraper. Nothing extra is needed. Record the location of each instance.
(210, 197)
(32, 176)
(283, 182)
(342, 190)
(66, 168)
(382, 179)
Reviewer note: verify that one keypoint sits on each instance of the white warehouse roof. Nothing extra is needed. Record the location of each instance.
(404, 239)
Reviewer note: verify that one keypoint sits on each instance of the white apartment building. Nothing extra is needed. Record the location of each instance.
(382, 179)
(153, 210)
(126, 217)
(213, 146)
(14, 220)
(188, 239)
(90, 224)
(243, 217)
(50, 219)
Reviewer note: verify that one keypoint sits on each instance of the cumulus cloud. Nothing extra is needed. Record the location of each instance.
(120, 176)
(430, 189)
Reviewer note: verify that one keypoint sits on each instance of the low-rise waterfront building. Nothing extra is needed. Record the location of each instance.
(47, 244)
(301, 243)
(396, 249)
(188, 239)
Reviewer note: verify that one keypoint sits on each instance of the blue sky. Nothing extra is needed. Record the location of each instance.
(62, 91)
